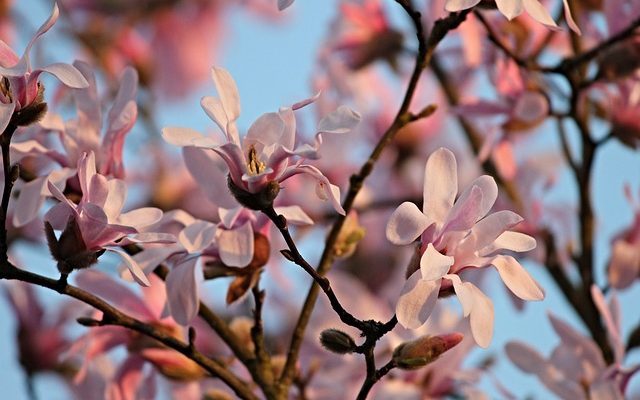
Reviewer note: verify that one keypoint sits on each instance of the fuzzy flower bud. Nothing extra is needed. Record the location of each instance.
(424, 350)
(255, 201)
(337, 341)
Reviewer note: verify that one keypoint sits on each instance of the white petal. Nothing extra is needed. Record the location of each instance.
(433, 264)
(512, 241)
(462, 293)
(134, 268)
(197, 236)
(481, 317)
(510, 8)
(538, 12)
(342, 120)
(294, 215)
(440, 184)
(517, 279)
(490, 228)
(569, 18)
(406, 224)
(183, 291)
(459, 5)
(227, 91)
(141, 217)
(236, 246)
(416, 301)
(180, 136)
(67, 74)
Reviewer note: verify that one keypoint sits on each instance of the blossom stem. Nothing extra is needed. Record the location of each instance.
(426, 48)
(9, 179)
(113, 316)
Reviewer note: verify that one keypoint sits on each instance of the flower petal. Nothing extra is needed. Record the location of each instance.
(294, 215)
(236, 245)
(210, 172)
(512, 241)
(433, 264)
(440, 184)
(342, 120)
(526, 357)
(481, 316)
(510, 8)
(466, 212)
(416, 301)
(180, 136)
(539, 13)
(183, 291)
(458, 5)
(227, 91)
(29, 201)
(67, 74)
(406, 224)
(517, 279)
(197, 236)
(134, 268)
(488, 229)
(140, 217)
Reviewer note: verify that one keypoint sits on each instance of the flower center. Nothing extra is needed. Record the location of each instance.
(255, 166)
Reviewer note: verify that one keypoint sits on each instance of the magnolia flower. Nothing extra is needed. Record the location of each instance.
(20, 88)
(78, 136)
(264, 157)
(513, 8)
(97, 222)
(456, 235)
(576, 369)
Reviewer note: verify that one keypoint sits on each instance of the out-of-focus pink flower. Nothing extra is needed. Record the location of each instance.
(78, 136)
(130, 381)
(265, 156)
(20, 87)
(456, 235)
(513, 8)
(576, 369)
(363, 34)
(624, 264)
(97, 222)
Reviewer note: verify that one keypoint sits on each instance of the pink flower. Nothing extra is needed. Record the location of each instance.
(78, 136)
(20, 87)
(624, 264)
(576, 369)
(265, 156)
(97, 222)
(456, 235)
(513, 8)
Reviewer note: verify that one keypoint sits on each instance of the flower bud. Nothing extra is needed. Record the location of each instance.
(70, 250)
(337, 341)
(424, 350)
(349, 237)
(255, 201)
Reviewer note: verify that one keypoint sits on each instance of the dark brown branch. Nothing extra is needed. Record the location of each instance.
(426, 47)
(10, 177)
(112, 316)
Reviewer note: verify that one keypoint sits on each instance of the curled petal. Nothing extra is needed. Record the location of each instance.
(406, 224)
(433, 264)
(134, 268)
(518, 279)
(416, 301)
(67, 74)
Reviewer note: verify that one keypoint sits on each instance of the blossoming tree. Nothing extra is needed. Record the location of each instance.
(348, 260)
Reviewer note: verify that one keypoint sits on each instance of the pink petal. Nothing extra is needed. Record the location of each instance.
(140, 217)
(539, 13)
(466, 211)
(134, 268)
(197, 236)
(213, 108)
(29, 201)
(116, 195)
(440, 184)
(127, 380)
(406, 224)
(433, 264)
(510, 8)
(148, 237)
(624, 265)
(294, 215)
(305, 102)
(526, 357)
(58, 215)
(180, 136)
(531, 107)
(227, 91)
(67, 74)
(512, 241)
(183, 291)
(210, 173)
(488, 229)
(114, 292)
(236, 245)
(416, 301)
(342, 120)
(569, 18)
(613, 330)
(517, 279)
(86, 171)
(458, 5)
(233, 157)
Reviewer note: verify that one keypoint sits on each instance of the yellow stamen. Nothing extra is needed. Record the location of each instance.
(255, 166)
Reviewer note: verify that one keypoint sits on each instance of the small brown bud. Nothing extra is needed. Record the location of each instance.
(70, 250)
(424, 350)
(337, 341)
(261, 250)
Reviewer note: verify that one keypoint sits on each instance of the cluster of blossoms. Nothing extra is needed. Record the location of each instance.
(244, 208)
